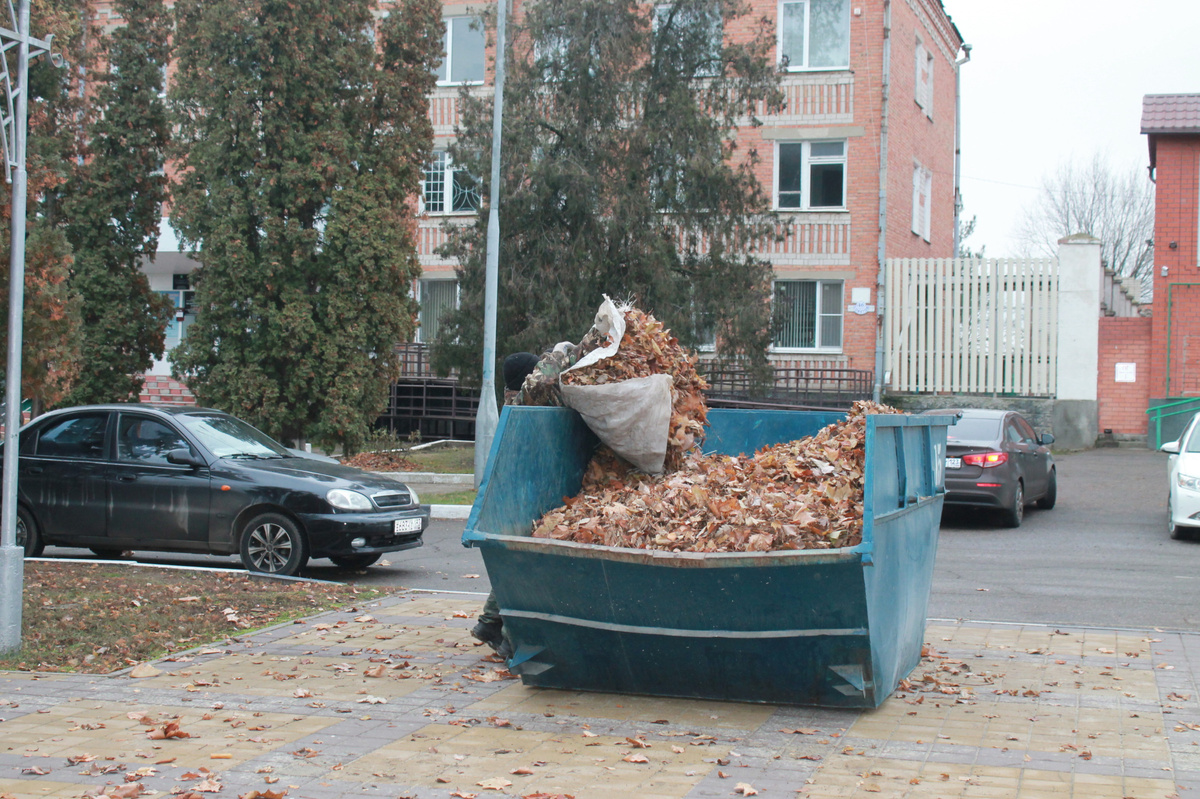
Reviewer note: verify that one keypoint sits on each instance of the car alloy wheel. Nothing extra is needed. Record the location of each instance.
(1016, 511)
(1051, 496)
(27, 535)
(1175, 531)
(273, 544)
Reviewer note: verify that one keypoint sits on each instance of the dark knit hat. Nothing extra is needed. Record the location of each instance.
(517, 367)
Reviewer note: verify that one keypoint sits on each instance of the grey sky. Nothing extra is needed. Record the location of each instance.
(1055, 80)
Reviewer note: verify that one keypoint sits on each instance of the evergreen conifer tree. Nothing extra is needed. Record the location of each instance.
(302, 135)
(115, 209)
(622, 175)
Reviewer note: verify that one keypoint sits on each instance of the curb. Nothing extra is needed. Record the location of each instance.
(434, 478)
(449, 511)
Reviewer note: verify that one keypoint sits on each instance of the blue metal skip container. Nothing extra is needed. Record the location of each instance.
(835, 627)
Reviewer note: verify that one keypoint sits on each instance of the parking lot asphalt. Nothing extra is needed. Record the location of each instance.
(395, 699)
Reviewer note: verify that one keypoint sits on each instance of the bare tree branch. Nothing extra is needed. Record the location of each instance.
(1115, 205)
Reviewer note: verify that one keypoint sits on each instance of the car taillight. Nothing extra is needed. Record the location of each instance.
(986, 459)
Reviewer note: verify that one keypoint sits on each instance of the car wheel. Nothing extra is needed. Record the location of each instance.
(1174, 530)
(273, 544)
(355, 561)
(1016, 511)
(106, 553)
(28, 537)
(1051, 496)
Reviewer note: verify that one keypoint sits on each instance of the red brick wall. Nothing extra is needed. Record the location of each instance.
(1177, 223)
(165, 390)
(914, 135)
(1122, 406)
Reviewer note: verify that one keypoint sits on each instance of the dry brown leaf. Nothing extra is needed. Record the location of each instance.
(494, 784)
(168, 730)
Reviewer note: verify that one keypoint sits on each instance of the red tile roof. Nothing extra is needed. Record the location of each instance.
(1171, 113)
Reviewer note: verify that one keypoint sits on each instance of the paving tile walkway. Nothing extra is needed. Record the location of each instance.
(395, 699)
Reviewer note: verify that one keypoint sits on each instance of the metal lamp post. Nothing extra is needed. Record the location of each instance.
(14, 120)
(487, 417)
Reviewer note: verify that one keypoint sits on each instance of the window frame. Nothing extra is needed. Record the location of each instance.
(448, 51)
(922, 215)
(448, 172)
(820, 313)
(779, 34)
(923, 89)
(807, 161)
(418, 334)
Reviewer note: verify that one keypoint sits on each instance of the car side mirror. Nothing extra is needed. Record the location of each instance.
(184, 457)
(1171, 447)
(1046, 439)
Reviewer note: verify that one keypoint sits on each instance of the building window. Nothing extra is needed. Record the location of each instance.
(183, 317)
(810, 175)
(808, 314)
(922, 200)
(463, 57)
(436, 298)
(814, 34)
(923, 91)
(447, 189)
(700, 32)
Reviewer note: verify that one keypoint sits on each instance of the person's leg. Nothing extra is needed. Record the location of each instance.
(490, 628)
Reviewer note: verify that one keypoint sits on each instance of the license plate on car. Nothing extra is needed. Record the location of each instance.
(953, 463)
(406, 525)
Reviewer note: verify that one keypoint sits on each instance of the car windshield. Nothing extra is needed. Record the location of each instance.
(228, 437)
(1193, 442)
(974, 429)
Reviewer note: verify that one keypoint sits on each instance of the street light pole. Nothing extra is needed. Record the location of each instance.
(488, 417)
(12, 557)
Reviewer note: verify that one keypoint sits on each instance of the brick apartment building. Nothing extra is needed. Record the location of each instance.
(869, 125)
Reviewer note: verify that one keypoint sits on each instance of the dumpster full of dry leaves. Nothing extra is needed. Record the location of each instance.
(789, 563)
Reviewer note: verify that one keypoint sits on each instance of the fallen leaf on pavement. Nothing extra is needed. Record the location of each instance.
(494, 784)
(168, 730)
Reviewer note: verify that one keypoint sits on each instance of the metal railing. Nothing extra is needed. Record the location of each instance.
(1168, 410)
(791, 387)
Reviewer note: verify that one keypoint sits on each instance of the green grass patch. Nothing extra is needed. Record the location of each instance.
(451, 498)
(444, 459)
(98, 618)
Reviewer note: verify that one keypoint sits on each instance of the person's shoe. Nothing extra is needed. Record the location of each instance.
(505, 650)
(490, 632)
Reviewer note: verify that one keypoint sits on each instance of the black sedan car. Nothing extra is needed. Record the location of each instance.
(185, 479)
(994, 459)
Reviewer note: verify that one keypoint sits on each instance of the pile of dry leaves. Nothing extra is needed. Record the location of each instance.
(646, 349)
(804, 494)
(381, 461)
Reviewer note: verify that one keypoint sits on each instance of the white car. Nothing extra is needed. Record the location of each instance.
(1183, 486)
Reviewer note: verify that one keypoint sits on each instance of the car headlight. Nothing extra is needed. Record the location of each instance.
(1188, 482)
(413, 498)
(348, 500)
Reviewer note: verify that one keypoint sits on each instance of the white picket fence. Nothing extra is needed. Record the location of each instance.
(972, 325)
